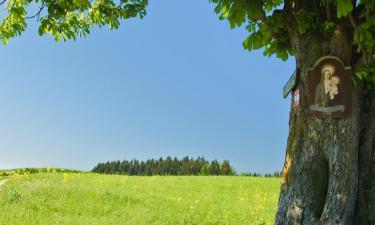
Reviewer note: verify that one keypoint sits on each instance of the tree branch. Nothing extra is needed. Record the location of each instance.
(353, 21)
(317, 11)
(38, 13)
(328, 11)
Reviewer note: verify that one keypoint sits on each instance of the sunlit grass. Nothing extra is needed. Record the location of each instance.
(92, 199)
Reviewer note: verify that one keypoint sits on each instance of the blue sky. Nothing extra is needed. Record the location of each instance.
(176, 83)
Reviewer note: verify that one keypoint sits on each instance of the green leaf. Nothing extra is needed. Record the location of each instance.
(255, 9)
(344, 7)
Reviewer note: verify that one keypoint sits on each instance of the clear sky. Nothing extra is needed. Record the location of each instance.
(176, 83)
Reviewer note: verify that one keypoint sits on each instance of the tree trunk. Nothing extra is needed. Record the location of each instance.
(329, 162)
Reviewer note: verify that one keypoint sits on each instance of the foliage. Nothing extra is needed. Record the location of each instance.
(95, 199)
(365, 75)
(66, 19)
(249, 174)
(260, 24)
(270, 23)
(344, 7)
(167, 166)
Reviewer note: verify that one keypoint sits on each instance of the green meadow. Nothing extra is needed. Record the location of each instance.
(92, 199)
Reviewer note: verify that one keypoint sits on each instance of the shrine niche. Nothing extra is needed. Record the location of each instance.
(329, 89)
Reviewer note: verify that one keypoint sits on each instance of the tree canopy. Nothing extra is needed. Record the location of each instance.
(267, 21)
(66, 19)
(270, 23)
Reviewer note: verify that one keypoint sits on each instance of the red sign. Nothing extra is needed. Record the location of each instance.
(296, 98)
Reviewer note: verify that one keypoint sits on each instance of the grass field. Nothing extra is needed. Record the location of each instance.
(93, 199)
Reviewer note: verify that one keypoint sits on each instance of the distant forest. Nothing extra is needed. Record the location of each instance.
(167, 166)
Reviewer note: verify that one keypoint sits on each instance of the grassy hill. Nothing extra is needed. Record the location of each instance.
(93, 199)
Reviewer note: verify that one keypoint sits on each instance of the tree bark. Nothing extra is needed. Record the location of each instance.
(326, 179)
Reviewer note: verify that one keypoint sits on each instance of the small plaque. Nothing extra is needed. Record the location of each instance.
(329, 89)
(290, 85)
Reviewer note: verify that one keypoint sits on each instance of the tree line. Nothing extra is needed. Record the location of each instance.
(249, 174)
(166, 166)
